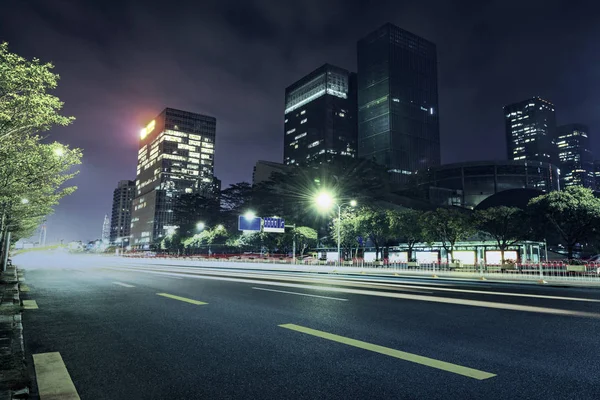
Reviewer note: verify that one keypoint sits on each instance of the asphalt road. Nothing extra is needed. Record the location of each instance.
(341, 338)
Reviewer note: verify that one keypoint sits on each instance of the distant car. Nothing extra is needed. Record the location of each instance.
(149, 254)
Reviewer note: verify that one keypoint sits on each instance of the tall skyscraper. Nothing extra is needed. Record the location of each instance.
(398, 124)
(176, 156)
(320, 116)
(106, 229)
(531, 131)
(596, 174)
(575, 158)
(120, 221)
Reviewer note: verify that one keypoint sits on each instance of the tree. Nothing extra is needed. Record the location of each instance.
(191, 208)
(32, 177)
(25, 105)
(348, 230)
(448, 225)
(407, 226)
(574, 213)
(306, 237)
(507, 225)
(235, 201)
(374, 224)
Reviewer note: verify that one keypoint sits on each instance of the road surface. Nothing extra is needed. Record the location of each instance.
(103, 329)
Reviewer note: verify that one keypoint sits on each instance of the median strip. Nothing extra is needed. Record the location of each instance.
(172, 296)
(429, 362)
(53, 379)
(30, 305)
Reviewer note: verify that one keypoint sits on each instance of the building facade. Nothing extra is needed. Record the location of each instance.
(320, 116)
(120, 221)
(263, 171)
(468, 184)
(575, 158)
(176, 156)
(531, 131)
(106, 229)
(398, 115)
(596, 174)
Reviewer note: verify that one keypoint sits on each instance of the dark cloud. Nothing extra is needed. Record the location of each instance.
(122, 62)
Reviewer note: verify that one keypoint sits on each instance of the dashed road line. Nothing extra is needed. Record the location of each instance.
(300, 294)
(123, 284)
(172, 296)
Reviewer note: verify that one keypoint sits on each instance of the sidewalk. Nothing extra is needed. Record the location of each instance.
(14, 378)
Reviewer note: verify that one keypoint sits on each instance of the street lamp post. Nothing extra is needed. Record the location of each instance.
(325, 201)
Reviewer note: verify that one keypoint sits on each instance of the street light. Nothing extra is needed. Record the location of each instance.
(250, 215)
(59, 151)
(325, 201)
(200, 226)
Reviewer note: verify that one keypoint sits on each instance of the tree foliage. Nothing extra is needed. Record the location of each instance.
(32, 178)
(507, 225)
(574, 213)
(191, 208)
(447, 225)
(407, 226)
(374, 224)
(25, 105)
(306, 237)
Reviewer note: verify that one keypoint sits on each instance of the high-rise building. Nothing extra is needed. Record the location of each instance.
(120, 221)
(575, 158)
(106, 229)
(320, 116)
(264, 170)
(596, 174)
(398, 124)
(176, 156)
(531, 131)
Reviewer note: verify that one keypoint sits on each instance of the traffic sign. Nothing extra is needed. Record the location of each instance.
(249, 224)
(273, 225)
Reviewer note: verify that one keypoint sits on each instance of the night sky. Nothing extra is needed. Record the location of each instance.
(121, 62)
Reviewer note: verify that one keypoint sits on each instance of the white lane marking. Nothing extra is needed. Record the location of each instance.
(299, 294)
(123, 284)
(446, 300)
(53, 379)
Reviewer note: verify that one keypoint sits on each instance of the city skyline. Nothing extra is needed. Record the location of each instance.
(246, 97)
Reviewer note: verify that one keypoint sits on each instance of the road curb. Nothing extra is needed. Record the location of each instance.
(14, 377)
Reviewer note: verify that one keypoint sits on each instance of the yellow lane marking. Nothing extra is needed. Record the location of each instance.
(123, 284)
(53, 379)
(172, 296)
(24, 288)
(430, 362)
(30, 305)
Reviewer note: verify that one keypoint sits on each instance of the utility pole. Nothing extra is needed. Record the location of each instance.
(294, 245)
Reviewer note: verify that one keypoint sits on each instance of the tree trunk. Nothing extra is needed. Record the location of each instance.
(502, 255)
(570, 251)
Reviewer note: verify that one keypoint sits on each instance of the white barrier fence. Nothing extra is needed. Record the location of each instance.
(555, 272)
